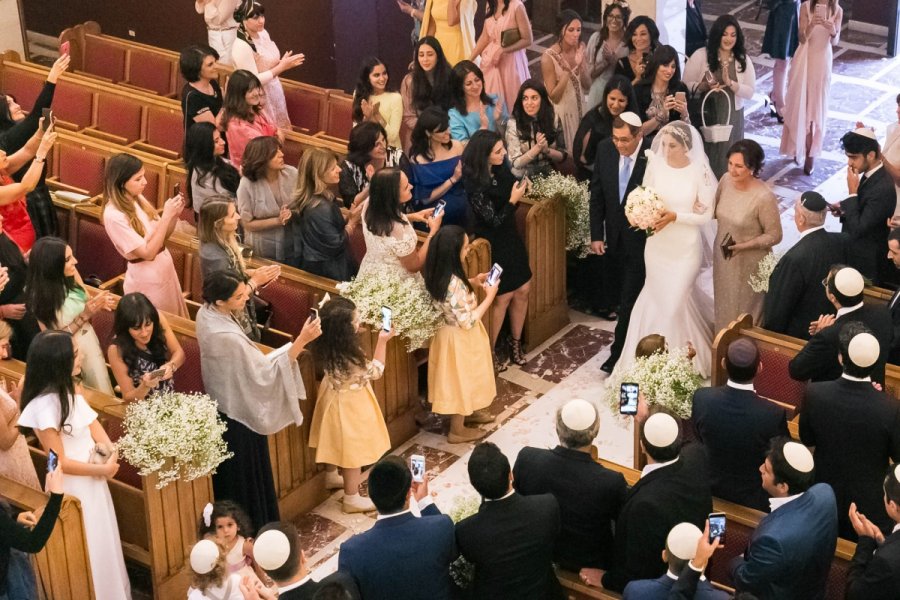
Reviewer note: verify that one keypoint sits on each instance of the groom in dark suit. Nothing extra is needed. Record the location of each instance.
(893, 255)
(619, 168)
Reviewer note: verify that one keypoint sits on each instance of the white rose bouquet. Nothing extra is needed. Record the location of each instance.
(759, 281)
(668, 379)
(643, 208)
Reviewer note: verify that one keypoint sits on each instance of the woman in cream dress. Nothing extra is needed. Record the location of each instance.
(452, 22)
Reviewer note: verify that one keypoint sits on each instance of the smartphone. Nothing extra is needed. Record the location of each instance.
(313, 314)
(821, 11)
(439, 208)
(158, 374)
(417, 467)
(680, 96)
(52, 461)
(628, 398)
(386, 316)
(176, 189)
(494, 274)
(717, 527)
(64, 48)
(47, 113)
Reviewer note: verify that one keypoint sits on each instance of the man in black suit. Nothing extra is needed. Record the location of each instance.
(589, 495)
(894, 305)
(855, 430)
(674, 488)
(510, 539)
(795, 298)
(277, 551)
(866, 211)
(735, 426)
(875, 570)
(818, 361)
(619, 168)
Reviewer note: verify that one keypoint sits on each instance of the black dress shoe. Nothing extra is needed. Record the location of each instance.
(607, 367)
(608, 315)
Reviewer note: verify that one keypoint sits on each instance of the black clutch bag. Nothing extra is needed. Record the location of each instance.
(727, 243)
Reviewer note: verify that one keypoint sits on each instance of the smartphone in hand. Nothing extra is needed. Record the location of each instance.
(387, 316)
(417, 467)
(176, 189)
(717, 522)
(628, 398)
(47, 114)
(64, 48)
(493, 277)
(439, 208)
(52, 461)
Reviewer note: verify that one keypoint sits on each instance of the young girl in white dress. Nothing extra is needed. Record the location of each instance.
(228, 525)
(52, 405)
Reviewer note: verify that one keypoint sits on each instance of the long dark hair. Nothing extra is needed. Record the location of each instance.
(563, 20)
(364, 86)
(48, 370)
(494, 5)
(338, 347)
(247, 9)
(200, 158)
(457, 85)
(544, 122)
(363, 138)
(6, 120)
(134, 310)
(228, 509)
(384, 202)
(47, 284)
(663, 55)
(433, 119)
(715, 39)
(623, 85)
(604, 29)
(652, 29)
(434, 90)
(442, 261)
(235, 105)
(476, 158)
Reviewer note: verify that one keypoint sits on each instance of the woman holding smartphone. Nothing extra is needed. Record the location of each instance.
(460, 378)
(144, 354)
(661, 95)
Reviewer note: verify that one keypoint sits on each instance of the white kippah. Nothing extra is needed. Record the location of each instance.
(578, 414)
(863, 350)
(271, 549)
(204, 555)
(631, 118)
(682, 541)
(849, 282)
(897, 471)
(866, 132)
(661, 430)
(798, 456)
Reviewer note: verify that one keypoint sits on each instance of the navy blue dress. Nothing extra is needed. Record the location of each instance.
(782, 35)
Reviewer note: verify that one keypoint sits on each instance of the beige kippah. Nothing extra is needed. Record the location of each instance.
(798, 456)
(631, 118)
(849, 282)
(578, 414)
(863, 350)
(897, 471)
(682, 541)
(204, 555)
(661, 430)
(271, 549)
(866, 132)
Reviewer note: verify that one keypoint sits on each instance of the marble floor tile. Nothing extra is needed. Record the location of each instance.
(317, 531)
(568, 353)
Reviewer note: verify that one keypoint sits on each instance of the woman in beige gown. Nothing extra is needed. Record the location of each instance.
(566, 75)
(15, 460)
(747, 210)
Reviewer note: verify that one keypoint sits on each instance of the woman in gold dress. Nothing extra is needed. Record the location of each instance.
(452, 22)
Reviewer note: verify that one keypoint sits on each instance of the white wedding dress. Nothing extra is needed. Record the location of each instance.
(676, 300)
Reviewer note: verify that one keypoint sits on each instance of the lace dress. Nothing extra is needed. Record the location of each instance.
(15, 461)
(571, 107)
(265, 57)
(385, 251)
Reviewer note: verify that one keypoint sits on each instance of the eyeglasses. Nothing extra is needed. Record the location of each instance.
(615, 18)
(621, 140)
(825, 283)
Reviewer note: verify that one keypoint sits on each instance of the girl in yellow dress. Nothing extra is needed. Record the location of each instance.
(452, 22)
(348, 428)
(460, 368)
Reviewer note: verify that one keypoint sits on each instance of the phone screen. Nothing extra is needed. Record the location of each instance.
(628, 398)
(386, 316)
(494, 274)
(158, 374)
(439, 208)
(177, 188)
(52, 461)
(47, 113)
(717, 527)
(313, 314)
(417, 467)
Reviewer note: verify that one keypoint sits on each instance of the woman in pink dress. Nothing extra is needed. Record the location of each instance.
(809, 81)
(139, 234)
(243, 117)
(505, 67)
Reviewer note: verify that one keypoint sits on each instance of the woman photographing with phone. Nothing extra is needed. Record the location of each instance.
(661, 95)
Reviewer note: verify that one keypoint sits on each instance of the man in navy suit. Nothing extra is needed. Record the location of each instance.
(893, 255)
(875, 570)
(735, 426)
(790, 552)
(402, 556)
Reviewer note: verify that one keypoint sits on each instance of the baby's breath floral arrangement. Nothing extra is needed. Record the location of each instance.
(175, 435)
(643, 208)
(462, 571)
(414, 315)
(759, 281)
(667, 379)
(577, 198)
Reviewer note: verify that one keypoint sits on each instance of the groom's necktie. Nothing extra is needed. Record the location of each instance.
(624, 176)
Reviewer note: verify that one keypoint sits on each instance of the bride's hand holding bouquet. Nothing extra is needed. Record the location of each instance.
(644, 210)
(664, 219)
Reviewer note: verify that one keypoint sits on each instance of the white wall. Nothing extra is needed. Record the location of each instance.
(11, 30)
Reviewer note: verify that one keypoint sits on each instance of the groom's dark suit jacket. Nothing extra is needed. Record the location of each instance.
(607, 209)
(865, 223)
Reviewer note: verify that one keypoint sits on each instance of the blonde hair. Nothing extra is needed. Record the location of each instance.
(209, 230)
(314, 164)
(119, 170)
(215, 577)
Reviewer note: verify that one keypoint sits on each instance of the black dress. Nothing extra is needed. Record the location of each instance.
(597, 126)
(495, 221)
(147, 363)
(193, 101)
(27, 327)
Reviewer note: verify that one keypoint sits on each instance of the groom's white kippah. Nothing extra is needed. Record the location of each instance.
(631, 118)
(661, 430)
(798, 456)
(849, 282)
(682, 541)
(863, 350)
(866, 132)
(204, 556)
(578, 414)
(271, 549)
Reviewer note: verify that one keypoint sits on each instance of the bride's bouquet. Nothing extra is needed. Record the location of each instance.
(643, 208)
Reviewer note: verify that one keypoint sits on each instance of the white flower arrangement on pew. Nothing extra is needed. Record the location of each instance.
(578, 216)
(643, 207)
(414, 315)
(462, 572)
(759, 281)
(177, 436)
(667, 379)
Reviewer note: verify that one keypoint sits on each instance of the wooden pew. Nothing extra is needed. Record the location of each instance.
(63, 567)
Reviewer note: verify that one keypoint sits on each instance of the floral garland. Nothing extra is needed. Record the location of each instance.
(577, 197)
(759, 281)
(462, 572)
(666, 379)
(175, 435)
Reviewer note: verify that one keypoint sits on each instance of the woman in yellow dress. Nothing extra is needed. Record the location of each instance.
(460, 368)
(348, 429)
(452, 22)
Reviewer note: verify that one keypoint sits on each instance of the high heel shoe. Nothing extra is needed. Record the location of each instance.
(499, 366)
(809, 165)
(516, 354)
(773, 111)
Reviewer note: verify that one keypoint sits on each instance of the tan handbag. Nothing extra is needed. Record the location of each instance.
(508, 37)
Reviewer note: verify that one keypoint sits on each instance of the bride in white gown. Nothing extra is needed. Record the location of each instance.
(673, 302)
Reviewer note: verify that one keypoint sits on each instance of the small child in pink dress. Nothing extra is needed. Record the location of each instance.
(227, 524)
